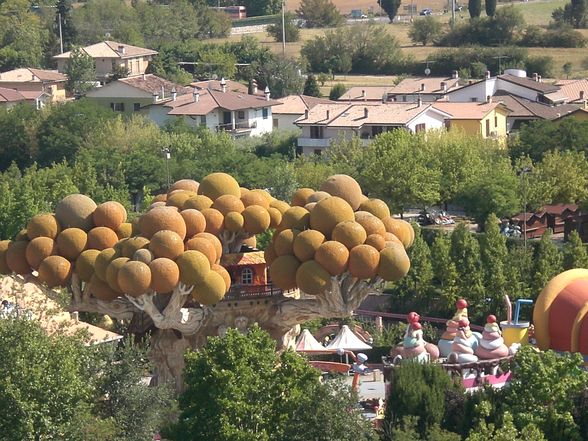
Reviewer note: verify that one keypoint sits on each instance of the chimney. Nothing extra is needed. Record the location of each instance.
(328, 114)
(121, 49)
(487, 74)
(535, 77)
(196, 95)
(539, 78)
(470, 81)
(253, 87)
(162, 92)
(306, 114)
(454, 75)
(365, 112)
(267, 93)
(144, 77)
(444, 86)
(423, 87)
(581, 94)
(34, 78)
(155, 97)
(74, 316)
(223, 84)
(174, 94)
(363, 94)
(488, 98)
(419, 101)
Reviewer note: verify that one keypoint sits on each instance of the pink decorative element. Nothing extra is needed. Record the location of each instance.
(413, 317)
(461, 304)
(491, 319)
(416, 325)
(463, 323)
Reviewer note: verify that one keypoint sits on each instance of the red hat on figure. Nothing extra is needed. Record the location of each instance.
(413, 317)
(461, 304)
(491, 319)
(463, 323)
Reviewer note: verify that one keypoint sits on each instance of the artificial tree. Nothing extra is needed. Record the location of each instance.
(164, 273)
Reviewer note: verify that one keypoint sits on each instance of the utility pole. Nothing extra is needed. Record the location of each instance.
(452, 14)
(60, 33)
(283, 27)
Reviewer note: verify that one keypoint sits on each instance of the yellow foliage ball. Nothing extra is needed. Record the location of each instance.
(101, 290)
(204, 245)
(217, 184)
(134, 278)
(102, 261)
(345, 187)
(333, 256)
(124, 230)
(112, 272)
(85, 264)
(186, 185)
(227, 203)
(234, 221)
(317, 196)
(110, 214)
(143, 255)
(269, 254)
(377, 207)
(55, 271)
(38, 250)
(281, 206)
(194, 267)
(165, 275)
(255, 198)
(16, 258)
(214, 220)
(283, 272)
(4, 269)
(275, 217)
(297, 218)
(376, 241)
(218, 246)
(71, 242)
(194, 220)
(224, 274)
(211, 290)
(199, 203)
(401, 229)
(164, 218)
(100, 238)
(178, 198)
(300, 198)
(256, 219)
(364, 261)
(349, 233)
(312, 278)
(129, 246)
(306, 243)
(284, 242)
(370, 223)
(43, 225)
(328, 213)
(394, 263)
(75, 211)
(166, 244)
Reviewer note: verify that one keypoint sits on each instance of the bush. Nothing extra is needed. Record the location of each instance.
(563, 36)
(290, 27)
(320, 14)
(425, 30)
(337, 91)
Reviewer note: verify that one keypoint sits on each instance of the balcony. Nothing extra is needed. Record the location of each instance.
(314, 142)
(247, 292)
(243, 128)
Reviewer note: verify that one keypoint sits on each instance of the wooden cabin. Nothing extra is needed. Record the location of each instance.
(249, 276)
(557, 215)
(531, 224)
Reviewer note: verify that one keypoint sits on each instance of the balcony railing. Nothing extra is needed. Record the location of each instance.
(246, 292)
(239, 127)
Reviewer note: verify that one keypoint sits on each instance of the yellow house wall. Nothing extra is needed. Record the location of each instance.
(478, 127)
(580, 116)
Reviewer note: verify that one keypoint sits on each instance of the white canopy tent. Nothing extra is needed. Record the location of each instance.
(307, 343)
(347, 340)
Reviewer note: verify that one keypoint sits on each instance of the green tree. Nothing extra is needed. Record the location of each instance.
(401, 171)
(490, 6)
(267, 395)
(567, 69)
(217, 62)
(18, 127)
(425, 30)
(44, 381)
(81, 73)
(390, 7)
(465, 253)
(64, 19)
(311, 87)
(475, 8)
(418, 390)
(505, 24)
(320, 13)
(280, 74)
(444, 270)
(337, 91)
(519, 271)
(578, 13)
(291, 29)
(494, 260)
(574, 252)
(67, 128)
(548, 263)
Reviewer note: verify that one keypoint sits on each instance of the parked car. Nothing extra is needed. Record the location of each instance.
(426, 11)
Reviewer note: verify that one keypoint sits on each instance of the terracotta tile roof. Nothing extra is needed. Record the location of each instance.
(466, 110)
(431, 85)
(297, 104)
(10, 95)
(365, 93)
(152, 84)
(232, 86)
(109, 49)
(558, 209)
(575, 91)
(28, 75)
(252, 258)
(530, 84)
(357, 115)
(32, 94)
(213, 99)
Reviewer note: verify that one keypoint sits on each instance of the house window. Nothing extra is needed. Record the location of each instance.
(276, 123)
(420, 128)
(495, 121)
(203, 120)
(241, 114)
(117, 107)
(404, 98)
(265, 112)
(316, 132)
(487, 128)
(318, 152)
(247, 276)
(136, 107)
(474, 100)
(376, 130)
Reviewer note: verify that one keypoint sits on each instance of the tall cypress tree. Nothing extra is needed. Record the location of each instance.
(444, 271)
(494, 256)
(548, 263)
(311, 87)
(490, 7)
(465, 252)
(574, 252)
(475, 8)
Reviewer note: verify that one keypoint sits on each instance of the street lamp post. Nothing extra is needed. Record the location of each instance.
(524, 171)
(283, 27)
(167, 155)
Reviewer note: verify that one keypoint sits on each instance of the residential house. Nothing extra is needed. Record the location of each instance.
(110, 56)
(522, 110)
(579, 113)
(128, 95)
(365, 93)
(229, 85)
(427, 89)
(10, 98)
(34, 83)
(574, 91)
(557, 214)
(532, 225)
(291, 108)
(326, 122)
(515, 82)
(239, 114)
(487, 119)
